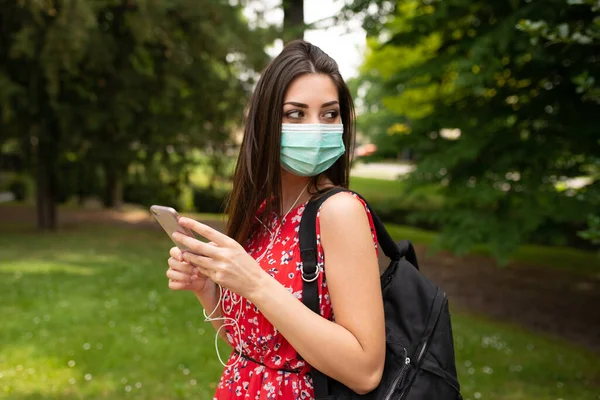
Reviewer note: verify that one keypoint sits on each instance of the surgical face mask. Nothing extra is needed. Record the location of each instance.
(310, 149)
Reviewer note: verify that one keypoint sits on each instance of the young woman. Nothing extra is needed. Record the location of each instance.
(297, 143)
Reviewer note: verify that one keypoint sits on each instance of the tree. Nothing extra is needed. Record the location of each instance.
(498, 121)
(293, 20)
(38, 45)
(107, 84)
(577, 33)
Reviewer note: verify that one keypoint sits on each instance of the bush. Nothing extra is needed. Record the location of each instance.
(395, 202)
(18, 187)
(592, 233)
(21, 185)
(152, 192)
(207, 201)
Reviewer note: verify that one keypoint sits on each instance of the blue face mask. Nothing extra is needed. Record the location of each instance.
(309, 149)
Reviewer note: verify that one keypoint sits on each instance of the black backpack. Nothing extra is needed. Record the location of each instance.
(419, 359)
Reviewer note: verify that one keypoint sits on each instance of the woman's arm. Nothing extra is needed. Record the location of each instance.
(351, 350)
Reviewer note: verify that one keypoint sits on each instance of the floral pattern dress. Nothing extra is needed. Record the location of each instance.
(269, 367)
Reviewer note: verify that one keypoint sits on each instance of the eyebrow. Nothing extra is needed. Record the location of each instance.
(302, 105)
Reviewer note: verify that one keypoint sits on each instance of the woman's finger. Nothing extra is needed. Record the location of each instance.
(175, 252)
(203, 272)
(176, 285)
(178, 276)
(202, 262)
(196, 245)
(184, 267)
(206, 231)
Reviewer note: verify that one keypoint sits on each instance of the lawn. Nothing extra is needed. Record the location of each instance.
(86, 314)
(382, 192)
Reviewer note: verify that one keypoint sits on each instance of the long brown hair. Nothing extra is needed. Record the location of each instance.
(257, 174)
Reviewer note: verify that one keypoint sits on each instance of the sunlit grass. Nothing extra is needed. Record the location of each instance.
(117, 332)
(86, 314)
(43, 267)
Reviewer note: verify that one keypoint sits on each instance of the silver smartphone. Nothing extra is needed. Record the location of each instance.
(168, 218)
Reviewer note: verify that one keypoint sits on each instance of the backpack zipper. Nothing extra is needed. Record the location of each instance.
(398, 377)
(422, 352)
(417, 363)
(425, 345)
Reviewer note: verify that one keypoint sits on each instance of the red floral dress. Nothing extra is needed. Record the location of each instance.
(270, 367)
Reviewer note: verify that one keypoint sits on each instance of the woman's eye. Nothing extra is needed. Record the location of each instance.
(331, 114)
(295, 114)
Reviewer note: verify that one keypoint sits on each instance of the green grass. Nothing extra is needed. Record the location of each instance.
(377, 189)
(86, 314)
(415, 235)
(504, 362)
(381, 192)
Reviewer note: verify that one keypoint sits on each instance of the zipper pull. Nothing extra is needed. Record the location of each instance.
(407, 361)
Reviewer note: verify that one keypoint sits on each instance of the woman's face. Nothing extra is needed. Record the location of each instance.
(311, 99)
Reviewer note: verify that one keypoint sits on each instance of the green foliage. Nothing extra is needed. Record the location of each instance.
(498, 122)
(18, 187)
(593, 232)
(149, 192)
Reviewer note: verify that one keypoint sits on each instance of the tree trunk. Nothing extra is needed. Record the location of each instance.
(216, 168)
(82, 183)
(46, 182)
(113, 194)
(293, 20)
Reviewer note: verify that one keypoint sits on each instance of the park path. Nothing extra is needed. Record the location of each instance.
(555, 302)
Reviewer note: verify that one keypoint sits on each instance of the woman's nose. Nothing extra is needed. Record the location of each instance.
(313, 118)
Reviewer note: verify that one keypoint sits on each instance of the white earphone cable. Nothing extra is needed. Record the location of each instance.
(236, 299)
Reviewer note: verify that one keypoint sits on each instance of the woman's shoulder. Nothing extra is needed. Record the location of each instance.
(345, 219)
(342, 206)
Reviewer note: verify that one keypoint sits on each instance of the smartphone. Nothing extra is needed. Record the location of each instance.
(168, 218)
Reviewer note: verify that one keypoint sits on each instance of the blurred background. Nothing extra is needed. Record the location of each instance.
(477, 139)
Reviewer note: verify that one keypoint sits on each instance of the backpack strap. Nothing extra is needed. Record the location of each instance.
(407, 250)
(310, 273)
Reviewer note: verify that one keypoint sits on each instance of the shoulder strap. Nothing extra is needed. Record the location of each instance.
(310, 273)
(408, 251)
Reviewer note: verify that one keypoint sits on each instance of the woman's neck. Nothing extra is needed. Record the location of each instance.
(294, 187)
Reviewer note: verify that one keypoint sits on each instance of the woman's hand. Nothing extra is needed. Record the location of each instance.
(224, 260)
(184, 276)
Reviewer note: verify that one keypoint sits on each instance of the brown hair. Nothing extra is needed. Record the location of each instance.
(257, 174)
